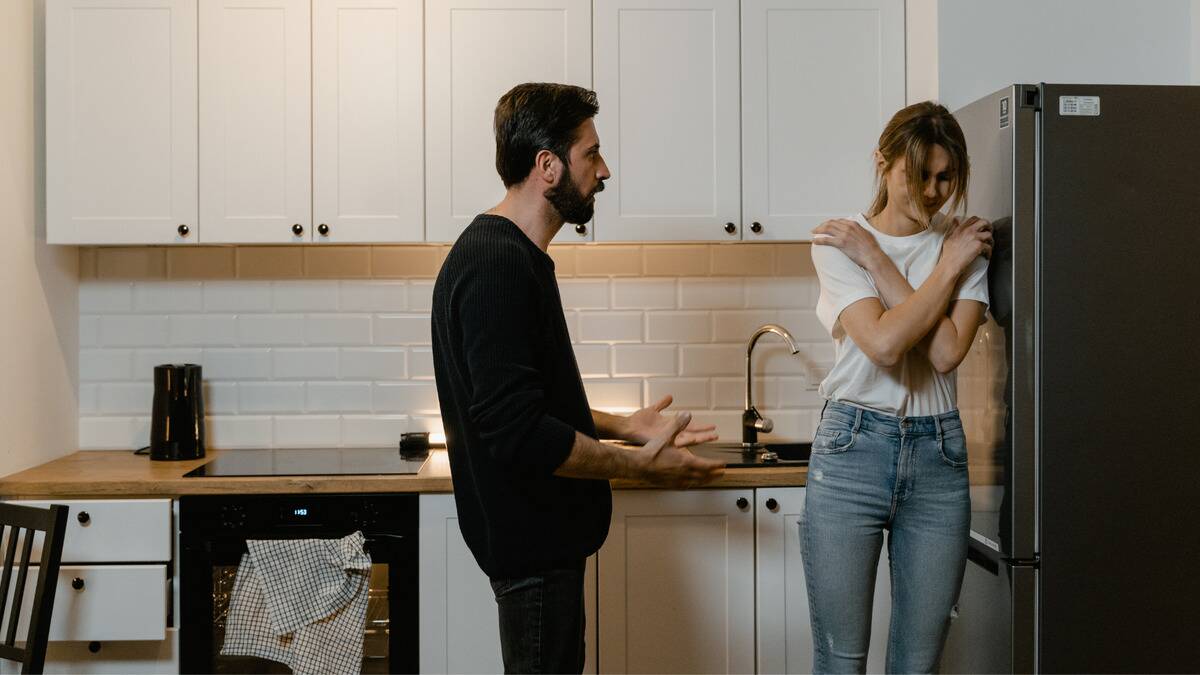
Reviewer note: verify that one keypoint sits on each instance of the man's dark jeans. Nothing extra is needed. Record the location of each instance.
(541, 621)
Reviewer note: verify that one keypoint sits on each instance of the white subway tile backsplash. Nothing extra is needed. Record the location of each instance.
(645, 360)
(645, 294)
(687, 393)
(739, 325)
(168, 297)
(572, 320)
(614, 396)
(125, 330)
(202, 330)
(582, 294)
(270, 329)
(304, 296)
(712, 293)
(88, 399)
(610, 327)
(377, 431)
(780, 293)
(339, 397)
(128, 398)
(269, 397)
(105, 297)
(220, 398)
(109, 433)
(105, 365)
(144, 361)
(339, 329)
(728, 422)
(730, 392)
(308, 431)
(373, 296)
(777, 358)
(799, 392)
(406, 398)
(308, 364)
(414, 329)
(89, 331)
(678, 327)
(593, 360)
(376, 363)
(712, 359)
(420, 296)
(804, 326)
(790, 425)
(420, 363)
(237, 296)
(236, 364)
(240, 431)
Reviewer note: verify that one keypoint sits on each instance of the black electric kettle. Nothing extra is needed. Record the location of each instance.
(177, 419)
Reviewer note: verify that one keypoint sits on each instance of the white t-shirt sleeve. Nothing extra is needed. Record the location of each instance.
(843, 283)
(974, 284)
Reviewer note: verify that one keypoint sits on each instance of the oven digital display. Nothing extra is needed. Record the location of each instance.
(299, 514)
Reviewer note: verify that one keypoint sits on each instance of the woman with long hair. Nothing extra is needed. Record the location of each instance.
(903, 290)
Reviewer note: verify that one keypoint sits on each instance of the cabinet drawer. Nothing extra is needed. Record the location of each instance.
(115, 602)
(113, 530)
(124, 658)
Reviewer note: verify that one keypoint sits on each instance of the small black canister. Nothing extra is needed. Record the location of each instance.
(177, 420)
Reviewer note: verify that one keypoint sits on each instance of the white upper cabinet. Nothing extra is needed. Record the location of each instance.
(255, 121)
(819, 81)
(667, 80)
(476, 50)
(121, 121)
(368, 151)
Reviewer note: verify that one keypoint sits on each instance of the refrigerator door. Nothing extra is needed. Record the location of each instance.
(996, 380)
(1119, 278)
(995, 627)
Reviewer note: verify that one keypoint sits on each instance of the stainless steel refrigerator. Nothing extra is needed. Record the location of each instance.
(1081, 395)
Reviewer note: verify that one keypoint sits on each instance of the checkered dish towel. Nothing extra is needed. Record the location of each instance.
(301, 602)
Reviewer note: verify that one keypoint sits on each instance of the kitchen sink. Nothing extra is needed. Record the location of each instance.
(737, 455)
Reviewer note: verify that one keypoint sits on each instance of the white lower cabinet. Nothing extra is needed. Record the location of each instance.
(109, 658)
(460, 630)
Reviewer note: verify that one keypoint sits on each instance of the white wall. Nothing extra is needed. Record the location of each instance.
(39, 328)
(984, 44)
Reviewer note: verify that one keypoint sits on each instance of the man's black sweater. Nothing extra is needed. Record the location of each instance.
(512, 400)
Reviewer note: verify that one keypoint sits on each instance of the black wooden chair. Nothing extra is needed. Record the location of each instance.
(53, 522)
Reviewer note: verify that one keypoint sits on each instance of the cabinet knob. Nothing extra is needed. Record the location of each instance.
(77, 584)
(756, 228)
(183, 230)
(83, 517)
(94, 647)
(731, 228)
(297, 229)
(772, 505)
(581, 229)
(743, 503)
(323, 229)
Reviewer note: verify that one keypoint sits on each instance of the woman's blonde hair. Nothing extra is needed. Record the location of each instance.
(910, 135)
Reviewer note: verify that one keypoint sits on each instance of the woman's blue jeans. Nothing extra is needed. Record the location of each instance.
(871, 472)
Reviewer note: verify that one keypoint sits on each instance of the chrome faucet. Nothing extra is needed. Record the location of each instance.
(753, 421)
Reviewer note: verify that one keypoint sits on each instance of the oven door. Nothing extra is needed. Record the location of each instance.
(209, 567)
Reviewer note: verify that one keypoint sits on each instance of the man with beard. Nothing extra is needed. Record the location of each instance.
(530, 477)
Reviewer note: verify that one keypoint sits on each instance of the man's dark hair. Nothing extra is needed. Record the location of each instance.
(538, 116)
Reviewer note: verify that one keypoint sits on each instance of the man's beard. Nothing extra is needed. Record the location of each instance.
(570, 203)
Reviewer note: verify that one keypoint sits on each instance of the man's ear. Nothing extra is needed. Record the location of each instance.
(547, 166)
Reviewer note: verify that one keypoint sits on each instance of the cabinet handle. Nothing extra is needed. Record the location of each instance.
(743, 503)
(83, 517)
(756, 228)
(581, 229)
(297, 229)
(94, 647)
(183, 230)
(323, 229)
(772, 505)
(731, 228)
(77, 584)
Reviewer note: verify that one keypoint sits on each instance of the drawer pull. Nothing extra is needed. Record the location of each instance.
(83, 517)
(77, 583)
(94, 647)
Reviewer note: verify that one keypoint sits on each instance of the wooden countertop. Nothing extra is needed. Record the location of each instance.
(120, 473)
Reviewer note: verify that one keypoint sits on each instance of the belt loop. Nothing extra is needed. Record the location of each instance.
(937, 422)
(858, 415)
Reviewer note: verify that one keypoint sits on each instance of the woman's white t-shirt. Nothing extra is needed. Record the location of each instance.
(912, 387)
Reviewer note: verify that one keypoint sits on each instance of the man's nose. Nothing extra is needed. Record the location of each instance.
(602, 173)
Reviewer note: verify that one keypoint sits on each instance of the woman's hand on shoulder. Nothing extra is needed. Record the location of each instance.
(965, 241)
(851, 239)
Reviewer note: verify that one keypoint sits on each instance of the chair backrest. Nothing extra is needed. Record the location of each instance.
(15, 521)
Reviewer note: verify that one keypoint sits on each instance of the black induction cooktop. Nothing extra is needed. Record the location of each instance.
(755, 454)
(308, 462)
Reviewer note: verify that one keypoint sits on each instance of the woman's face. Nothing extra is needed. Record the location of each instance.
(935, 182)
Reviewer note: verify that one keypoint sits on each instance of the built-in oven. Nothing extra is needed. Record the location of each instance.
(213, 535)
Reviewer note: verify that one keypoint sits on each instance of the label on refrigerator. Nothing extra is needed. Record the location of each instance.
(1003, 112)
(1086, 106)
(985, 541)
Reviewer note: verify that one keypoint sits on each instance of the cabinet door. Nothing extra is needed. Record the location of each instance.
(677, 583)
(667, 80)
(784, 628)
(368, 150)
(460, 629)
(819, 81)
(120, 121)
(255, 121)
(476, 51)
